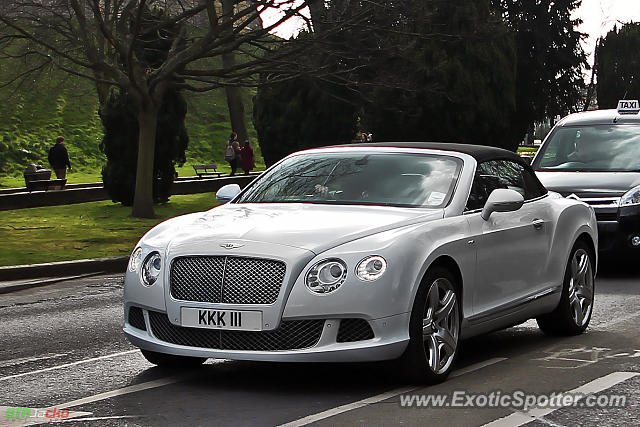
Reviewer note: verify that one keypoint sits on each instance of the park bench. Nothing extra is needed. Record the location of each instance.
(206, 170)
(46, 184)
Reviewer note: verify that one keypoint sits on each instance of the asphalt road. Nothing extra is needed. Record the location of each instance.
(61, 346)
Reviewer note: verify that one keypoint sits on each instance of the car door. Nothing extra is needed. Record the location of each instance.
(512, 247)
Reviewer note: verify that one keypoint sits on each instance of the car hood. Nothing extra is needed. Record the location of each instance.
(316, 228)
(590, 184)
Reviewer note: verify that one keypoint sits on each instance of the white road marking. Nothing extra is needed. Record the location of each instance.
(115, 417)
(381, 397)
(595, 386)
(476, 366)
(127, 390)
(66, 365)
(132, 388)
(23, 360)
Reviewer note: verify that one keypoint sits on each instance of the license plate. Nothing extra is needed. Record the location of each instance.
(222, 319)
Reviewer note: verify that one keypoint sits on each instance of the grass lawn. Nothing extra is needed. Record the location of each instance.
(85, 230)
(527, 150)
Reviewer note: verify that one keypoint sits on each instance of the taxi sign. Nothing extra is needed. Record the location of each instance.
(628, 107)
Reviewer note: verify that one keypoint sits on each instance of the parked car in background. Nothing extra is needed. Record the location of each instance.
(364, 252)
(595, 157)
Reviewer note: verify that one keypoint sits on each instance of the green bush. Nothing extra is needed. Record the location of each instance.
(299, 114)
(120, 145)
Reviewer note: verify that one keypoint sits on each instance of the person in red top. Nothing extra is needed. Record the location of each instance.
(246, 157)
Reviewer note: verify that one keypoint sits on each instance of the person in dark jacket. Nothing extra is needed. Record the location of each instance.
(247, 158)
(59, 159)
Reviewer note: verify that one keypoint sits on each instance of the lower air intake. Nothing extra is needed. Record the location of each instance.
(291, 335)
(136, 318)
(354, 330)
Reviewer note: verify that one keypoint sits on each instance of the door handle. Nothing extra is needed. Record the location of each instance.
(537, 224)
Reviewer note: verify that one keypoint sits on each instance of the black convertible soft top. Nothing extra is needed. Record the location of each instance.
(479, 152)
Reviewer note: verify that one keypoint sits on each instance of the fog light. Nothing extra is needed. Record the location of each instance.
(635, 241)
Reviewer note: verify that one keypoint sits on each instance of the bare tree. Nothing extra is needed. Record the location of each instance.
(214, 44)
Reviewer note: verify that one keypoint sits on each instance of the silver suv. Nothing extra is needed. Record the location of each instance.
(595, 157)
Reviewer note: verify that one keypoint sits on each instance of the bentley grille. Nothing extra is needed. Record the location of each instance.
(225, 279)
(291, 335)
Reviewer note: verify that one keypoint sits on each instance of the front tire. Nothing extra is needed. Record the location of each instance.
(573, 314)
(172, 361)
(434, 329)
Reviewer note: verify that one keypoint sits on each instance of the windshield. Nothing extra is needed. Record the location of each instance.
(358, 178)
(601, 148)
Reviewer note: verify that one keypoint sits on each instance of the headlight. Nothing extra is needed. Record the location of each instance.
(371, 268)
(326, 276)
(151, 268)
(631, 197)
(134, 261)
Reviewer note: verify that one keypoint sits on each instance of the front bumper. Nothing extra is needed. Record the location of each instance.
(382, 305)
(390, 339)
(616, 231)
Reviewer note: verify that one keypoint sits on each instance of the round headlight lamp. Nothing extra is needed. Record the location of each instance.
(371, 268)
(151, 268)
(135, 260)
(326, 276)
(631, 197)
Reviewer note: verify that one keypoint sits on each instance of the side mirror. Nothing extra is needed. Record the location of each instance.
(227, 193)
(502, 200)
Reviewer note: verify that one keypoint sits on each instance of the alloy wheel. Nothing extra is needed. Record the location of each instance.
(581, 287)
(440, 325)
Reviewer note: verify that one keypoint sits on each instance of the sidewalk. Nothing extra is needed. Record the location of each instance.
(15, 278)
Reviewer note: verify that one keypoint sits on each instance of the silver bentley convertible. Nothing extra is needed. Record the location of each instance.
(362, 253)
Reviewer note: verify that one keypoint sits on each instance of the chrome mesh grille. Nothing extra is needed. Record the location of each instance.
(231, 280)
(354, 330)
(291, 335)
(252, 281)
(197, 278)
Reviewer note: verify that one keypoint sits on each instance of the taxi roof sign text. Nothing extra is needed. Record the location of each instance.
(628, 106)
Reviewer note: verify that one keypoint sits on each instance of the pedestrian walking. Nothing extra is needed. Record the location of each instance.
(246, 157)
(232, 152)
(59, 159)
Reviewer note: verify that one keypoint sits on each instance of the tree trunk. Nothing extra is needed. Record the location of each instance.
(258, 24)
(234, 94)
(317, 11)
(236, 107)
(592, 86)
(143, 198)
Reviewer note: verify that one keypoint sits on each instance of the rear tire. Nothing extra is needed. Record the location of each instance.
(573, 314)
(434, 329)
(165, 360)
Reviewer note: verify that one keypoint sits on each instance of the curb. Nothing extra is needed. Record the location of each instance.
(8, 287)
(64, 269)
